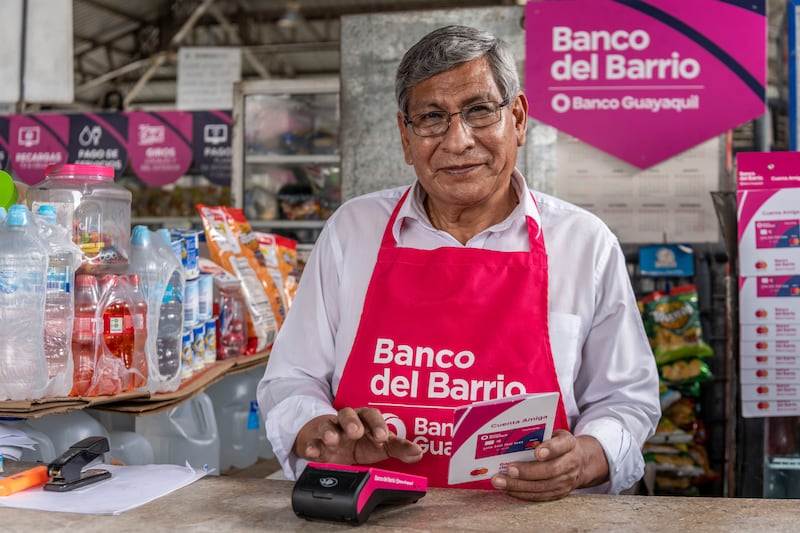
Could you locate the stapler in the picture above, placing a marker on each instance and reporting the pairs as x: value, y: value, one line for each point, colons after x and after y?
x: 66, y: 471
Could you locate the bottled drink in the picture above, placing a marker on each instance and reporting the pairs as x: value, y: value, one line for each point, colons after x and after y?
x: 139, y: 364
x: 116, y: 314
x: 59, y: 303
x: 232, y: 321
x: 84, y: 334
x: 23, y: 267
x: 169, y: 335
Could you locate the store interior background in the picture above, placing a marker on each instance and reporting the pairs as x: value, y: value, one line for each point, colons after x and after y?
x: 125, y: 58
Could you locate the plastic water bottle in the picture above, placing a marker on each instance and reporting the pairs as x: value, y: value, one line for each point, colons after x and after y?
x: 59, y: 307
x: 170, y: 320
x: 23, y: 268
x: 84, y: 334
x: 139, y: 364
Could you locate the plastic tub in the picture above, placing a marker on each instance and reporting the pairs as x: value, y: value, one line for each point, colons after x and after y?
x: 96, y: 209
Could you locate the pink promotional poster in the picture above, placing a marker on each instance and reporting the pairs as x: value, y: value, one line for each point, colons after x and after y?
x: 645, y: 81
x: 160, y: 145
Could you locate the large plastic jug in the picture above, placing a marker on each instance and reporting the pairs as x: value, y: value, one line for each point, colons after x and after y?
x: 126, y: 445
x: 237, y: 423
x: 44, y: 451
x: 264, y: 447
x: 186, y: 433
x: 130, y: 448
x: 65, y: 429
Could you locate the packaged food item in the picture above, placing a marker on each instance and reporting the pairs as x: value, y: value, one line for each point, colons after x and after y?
x: 226, y: 249
x: 250, y: 247
x: 672, y: 323
x: 280, y: 259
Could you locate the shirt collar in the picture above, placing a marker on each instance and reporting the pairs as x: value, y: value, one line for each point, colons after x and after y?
x: 414, y: 209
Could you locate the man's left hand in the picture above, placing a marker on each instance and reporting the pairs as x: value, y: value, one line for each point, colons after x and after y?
x: 563, y: 463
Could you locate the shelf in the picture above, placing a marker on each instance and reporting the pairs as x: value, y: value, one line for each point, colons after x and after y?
x: 278, y: 159
x: 136, y: 402
x: 287, y: 224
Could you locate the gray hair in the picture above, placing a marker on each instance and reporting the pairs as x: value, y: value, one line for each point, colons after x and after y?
x: 449, y: 46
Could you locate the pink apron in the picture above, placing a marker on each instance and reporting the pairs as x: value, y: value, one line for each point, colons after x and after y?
x: 447, y: 327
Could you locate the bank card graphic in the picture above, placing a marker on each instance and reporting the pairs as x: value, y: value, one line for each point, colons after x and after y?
x: 489, y: 435
x: 509, y: 441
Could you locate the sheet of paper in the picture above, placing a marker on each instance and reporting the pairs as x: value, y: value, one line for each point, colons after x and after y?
x: 127, y: 488
x: 668, y: 202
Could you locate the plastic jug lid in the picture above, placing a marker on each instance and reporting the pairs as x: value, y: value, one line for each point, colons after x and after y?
x: 8, y: 191
x: 61, y: 169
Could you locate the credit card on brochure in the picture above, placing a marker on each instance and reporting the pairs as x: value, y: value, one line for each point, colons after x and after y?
x: 489, y: 435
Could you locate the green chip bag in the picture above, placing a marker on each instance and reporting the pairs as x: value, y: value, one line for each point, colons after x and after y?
x: 672, y: 322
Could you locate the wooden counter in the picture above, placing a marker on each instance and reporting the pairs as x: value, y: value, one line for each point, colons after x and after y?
x: 217, y: 504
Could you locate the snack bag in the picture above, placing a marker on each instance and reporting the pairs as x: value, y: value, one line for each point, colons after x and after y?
x: 276, y: 252
x: 225, y: 249
x: 685, y: 372
x: 672, y: 323
x: 250, y: 248
x: 290, y: 271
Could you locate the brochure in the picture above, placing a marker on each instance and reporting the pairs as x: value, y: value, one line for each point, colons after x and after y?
x: 489, y: 435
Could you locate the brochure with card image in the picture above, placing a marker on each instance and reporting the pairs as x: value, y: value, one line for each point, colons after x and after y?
x: 489, y: 435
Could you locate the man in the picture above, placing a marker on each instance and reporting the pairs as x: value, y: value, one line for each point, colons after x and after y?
x: 466, y: 261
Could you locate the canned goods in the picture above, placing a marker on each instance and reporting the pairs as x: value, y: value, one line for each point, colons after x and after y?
x: 211, y: 340
x: 190, y: 301
x: 187, y: 354
x: 199, y: 346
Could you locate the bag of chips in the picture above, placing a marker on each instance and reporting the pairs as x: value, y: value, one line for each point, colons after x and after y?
x: 672, y: 323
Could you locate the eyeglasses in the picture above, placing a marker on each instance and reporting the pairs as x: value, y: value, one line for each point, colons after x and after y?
x: 478, y: 115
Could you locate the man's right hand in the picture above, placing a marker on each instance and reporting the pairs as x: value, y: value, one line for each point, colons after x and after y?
x: 353, y: 436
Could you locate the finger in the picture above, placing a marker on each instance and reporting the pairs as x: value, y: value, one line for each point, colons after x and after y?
x: 561, y: 443
x: 403, y: 449
x: 374, y: 424
x: 350, y: 423
x: 534, y: 490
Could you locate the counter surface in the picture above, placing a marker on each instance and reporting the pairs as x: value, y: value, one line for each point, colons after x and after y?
x: 226, y: 503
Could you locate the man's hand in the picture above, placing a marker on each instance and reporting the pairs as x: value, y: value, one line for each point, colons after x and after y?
x: 353, y: 436
x: 562, y: 464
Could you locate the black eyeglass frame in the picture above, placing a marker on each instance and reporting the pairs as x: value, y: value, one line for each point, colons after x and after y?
x: 500, y: 105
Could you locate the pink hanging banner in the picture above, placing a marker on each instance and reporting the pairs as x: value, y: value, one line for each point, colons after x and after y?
x: 37, y: 141
x: 160, y: 145
x: 645, y: 81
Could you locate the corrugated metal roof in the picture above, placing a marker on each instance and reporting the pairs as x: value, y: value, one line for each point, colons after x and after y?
x: 118, y: 43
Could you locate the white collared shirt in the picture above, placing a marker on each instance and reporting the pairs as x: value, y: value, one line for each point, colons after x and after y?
x: 605, y: 367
